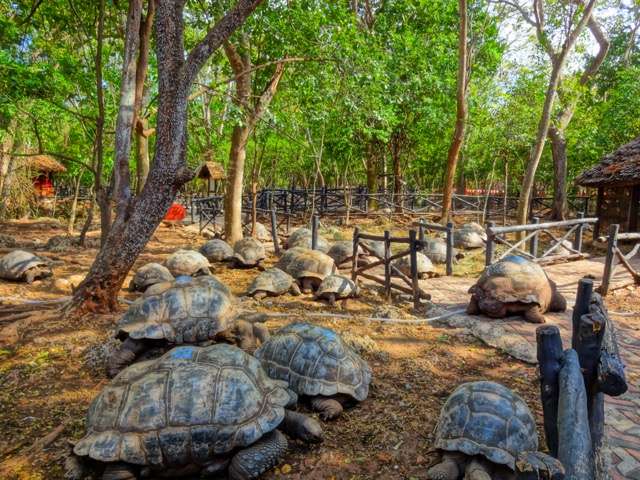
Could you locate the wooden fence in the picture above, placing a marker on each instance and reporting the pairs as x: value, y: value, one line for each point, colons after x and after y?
x: 356, y: 201
x: 527, y: 246
x: 424, y: 226
x: 573, y: 383
x: 411, y: 284
x: 615, y: 255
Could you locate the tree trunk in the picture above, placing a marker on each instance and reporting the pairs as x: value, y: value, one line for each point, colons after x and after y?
x: 558, y: 61
x: 371, y: 164
x: 135, y: 225
x: 559, y: 154
x: 461, y: 115
x: 397, y: 173
x: 241, y: 65
x: 7, y: 148
x: 102, y: 193
x: 74, y: 203
x: 233, y: 196
x: 142, y: 154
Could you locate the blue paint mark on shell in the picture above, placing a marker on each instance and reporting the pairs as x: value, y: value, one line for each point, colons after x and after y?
x: 183, y: 279
x: 182, y: 352
x: 515, y: 259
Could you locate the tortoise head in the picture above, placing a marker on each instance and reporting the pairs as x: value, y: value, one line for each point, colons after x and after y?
x: 558, y: 302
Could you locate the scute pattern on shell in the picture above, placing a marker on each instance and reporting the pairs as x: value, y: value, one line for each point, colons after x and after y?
x: 340, y: 285
x: 310, y: 263
x: 15, y: 264
x: 187, y: 262
x: 486, y: 418
x: 288, y: 256
x: 150, y: 274
x: 190, y: 310
x: 315, y: 361
x: 249, y: 251
x: 217, y: 250
x: 424, y: 265
x: 183, y: 408
x: 515, y: 279
x: 342, y: 251
x: 272, y: 280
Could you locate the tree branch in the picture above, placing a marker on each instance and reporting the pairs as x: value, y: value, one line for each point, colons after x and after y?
x: 214, y: 39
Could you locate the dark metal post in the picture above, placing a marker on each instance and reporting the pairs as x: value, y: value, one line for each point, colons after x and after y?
x: 577, y: 241
x: 533, y: 245
x: 356, y: 246
x: 549, y: 363
x: 612, y: 245
x: 449, y: 259
x: 387, y: 265
x: 314, y: 232
x: 414, y: 269
x: 274, y: 232
x: 488, y: 258
x: 421, y: 230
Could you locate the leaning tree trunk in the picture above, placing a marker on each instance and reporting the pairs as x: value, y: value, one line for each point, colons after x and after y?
x: 138, y: 218
x: 461, y: 116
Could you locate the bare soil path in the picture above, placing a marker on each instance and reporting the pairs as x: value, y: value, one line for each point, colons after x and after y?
x: 517, y: 338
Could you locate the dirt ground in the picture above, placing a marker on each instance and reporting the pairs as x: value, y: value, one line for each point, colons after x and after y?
x: 48, y: 377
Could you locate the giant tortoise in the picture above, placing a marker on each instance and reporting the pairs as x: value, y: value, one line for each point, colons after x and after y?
x: 217, y: 250
x: 148, y: 275
x: 317, y: 364
x: 248, y: 252
x: 486, y: 431
x: 515, y: 285
x: 309, y: 268
x: 272, y: 282
x: 193, y: 411
x: 425, y: 268
x: 187, y: 262
x: 189, y: 310
x: 302, y: 237
x: 22, y: 266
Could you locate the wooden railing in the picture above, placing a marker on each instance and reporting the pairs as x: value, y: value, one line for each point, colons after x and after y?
x: 614, y: 253
x: 527, y: 245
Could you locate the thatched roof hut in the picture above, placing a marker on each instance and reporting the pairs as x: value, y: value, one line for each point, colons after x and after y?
x: 617, y: 178
x: 620, y: 168
x: 44, y: 164
x: 212, y: 172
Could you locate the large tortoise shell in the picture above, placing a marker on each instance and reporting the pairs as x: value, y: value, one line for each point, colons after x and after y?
x: 183, y: 408
x: 515, y: 279
x: 150, y: 274
x: 249, y: 251
x: 272, y: 280
x: 187, y: 310
x: 16, y: 263
x: 217, y: 250
x: 187, y: 262
x: 315, y: 361
x: 310, y: 263
x: 488, y: 419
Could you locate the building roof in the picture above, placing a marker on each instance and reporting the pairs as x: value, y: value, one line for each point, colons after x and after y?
x: 619, y: 168
x: 44, y: 163
x: 210, y: 170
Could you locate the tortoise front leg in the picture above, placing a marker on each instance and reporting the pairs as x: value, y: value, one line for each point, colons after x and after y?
x: 473, y: 308
x: 450, y: 467
x: 124, y: 356
x: 331, y: 298
x: 294, y: 289
x: 74, y: 467
x: 307, y: 285
x: 301, y: 427
x: 534, y: 314
x: 261, y: 332
x: 328, y: 408
x: 260, y: 294
x: 245, y: 338
x: 478, y: 469
x: 256, y: 459
x: 119, y: 471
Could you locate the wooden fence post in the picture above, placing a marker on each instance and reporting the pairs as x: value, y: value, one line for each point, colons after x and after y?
x: 449, y: 259
x: 612, y: 244
x: 577, y: 241
x: 414, y: 268
x: 549, y: 363
x: 533, y: 245
x: 314, y: 232
x: 586, y: 340
x: 387, y: 265
x: 356, y: 246
x: 421, y: 230
x: 274, y: 232
x: 574, y: 446
x: 488, y: 258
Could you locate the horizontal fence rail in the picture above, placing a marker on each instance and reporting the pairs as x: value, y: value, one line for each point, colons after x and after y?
x: 528, y: 243
x: 359, y: 201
